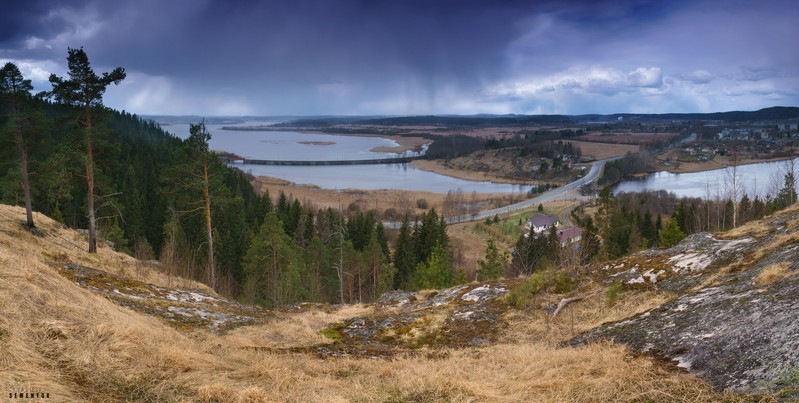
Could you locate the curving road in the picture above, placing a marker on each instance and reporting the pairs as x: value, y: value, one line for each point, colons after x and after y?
x: 548, y: 196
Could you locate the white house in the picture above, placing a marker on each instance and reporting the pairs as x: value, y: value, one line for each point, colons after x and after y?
x: 542, y: 222
x: 570, y: 235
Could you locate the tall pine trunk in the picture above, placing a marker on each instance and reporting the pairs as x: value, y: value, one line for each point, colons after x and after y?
x: 209, y: 230
x: 23, y: 154
x: 90, y: 181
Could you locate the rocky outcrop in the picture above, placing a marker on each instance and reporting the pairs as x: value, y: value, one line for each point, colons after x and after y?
x: 182, y: 308
x: 736, y: 321
x: 462, y: 316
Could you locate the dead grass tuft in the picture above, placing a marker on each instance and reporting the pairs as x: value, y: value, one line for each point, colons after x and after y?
x: 756, y: 229
x: 778, y: 242
x: 773, y: 273
x: 537, y: 326
x: 294, y: 330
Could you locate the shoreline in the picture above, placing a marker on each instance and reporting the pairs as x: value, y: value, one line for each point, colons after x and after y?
x: 712, y: 165
x: 435, y: 166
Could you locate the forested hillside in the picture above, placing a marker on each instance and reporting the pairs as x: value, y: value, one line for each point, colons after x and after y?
x: 158, y: 197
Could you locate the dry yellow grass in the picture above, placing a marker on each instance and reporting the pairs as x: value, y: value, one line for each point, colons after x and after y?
x: 439, y: 167
x: 58, y: 338
x: 294, y: 330
x: 776, y: 243
x: 756, y: 229
x: 772, y: 273
x: 577, y: 317
x: 363, y: 200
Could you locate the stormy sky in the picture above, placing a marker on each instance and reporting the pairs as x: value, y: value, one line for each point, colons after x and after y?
x: 357, y: 57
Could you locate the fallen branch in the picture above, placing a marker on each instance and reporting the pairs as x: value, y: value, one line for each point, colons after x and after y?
x: 565, y: 301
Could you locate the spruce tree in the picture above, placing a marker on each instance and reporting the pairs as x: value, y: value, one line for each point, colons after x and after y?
x: 436, y: 273
x: 671, y: 234
x: 405, y: 258
x: 271, y: 264
x: 589, y: 242
x: 787, y: 195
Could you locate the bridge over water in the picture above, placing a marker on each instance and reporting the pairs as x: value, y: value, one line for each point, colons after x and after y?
x: 398, y: 160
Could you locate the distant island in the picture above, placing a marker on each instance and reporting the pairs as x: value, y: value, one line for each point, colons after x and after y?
x: 317, y: 143
x: 254, y: 128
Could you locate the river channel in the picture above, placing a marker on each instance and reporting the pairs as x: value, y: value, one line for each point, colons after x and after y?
x: 757, y: 179
x: 299, y: 146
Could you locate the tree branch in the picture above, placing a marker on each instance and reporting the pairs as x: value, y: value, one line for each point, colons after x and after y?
x: 566, y: 301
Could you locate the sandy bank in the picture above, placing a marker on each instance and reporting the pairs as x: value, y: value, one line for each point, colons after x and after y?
x: 437, y: 166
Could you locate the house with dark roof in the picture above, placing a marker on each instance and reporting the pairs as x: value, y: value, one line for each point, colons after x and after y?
x: 542, y: 222
x: 569, y: 236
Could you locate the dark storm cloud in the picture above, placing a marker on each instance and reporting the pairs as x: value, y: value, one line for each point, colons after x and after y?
x: 351, y: 56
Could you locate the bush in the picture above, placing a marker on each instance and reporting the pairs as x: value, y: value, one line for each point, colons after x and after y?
x: 421, y: 203
x: 354, y: 207
x: 547, y: 281
x: 142, y: 250
x: 612, y: 294
x: 391, y: 213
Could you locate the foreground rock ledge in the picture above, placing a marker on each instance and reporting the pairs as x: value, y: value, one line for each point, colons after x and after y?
x: 734, y: 329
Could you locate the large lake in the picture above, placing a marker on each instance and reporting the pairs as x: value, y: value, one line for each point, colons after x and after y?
x: 288, y: 145
x: 270, y: 145
x: 758, y: 179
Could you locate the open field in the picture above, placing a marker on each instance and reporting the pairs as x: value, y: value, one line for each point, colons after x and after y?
x: 352, y: 200
x: 602, y: 151
x: 629, y: 138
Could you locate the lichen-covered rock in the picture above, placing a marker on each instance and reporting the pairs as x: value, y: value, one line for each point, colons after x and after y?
x: 679, y: 268
x: 732, y: 325
x: 397, y: 298
x: 461, y: 316
x: 180, y: 307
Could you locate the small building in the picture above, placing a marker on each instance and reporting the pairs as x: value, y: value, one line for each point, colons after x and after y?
x: 569, y: 236
x: 542, y: 222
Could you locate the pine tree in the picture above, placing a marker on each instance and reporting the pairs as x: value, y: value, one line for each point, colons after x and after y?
x: 494, y: 264
x: 85, y: 88
x: 198, y: 150
x: 16, y: 90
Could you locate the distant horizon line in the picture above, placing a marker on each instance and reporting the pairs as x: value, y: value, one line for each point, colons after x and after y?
x: 192, y: 115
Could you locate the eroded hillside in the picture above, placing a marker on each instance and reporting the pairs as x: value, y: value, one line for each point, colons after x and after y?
x: 106, y: 327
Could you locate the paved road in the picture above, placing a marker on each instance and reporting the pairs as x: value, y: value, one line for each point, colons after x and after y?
x: 548, y: 196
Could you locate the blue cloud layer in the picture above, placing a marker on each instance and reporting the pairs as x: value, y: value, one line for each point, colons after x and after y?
x: 403, y: 57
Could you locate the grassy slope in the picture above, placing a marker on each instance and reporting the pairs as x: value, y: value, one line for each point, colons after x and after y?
x: 74, y: 344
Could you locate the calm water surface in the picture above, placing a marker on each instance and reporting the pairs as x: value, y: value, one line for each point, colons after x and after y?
x: 287, y: 145
x: 382, y: 176
x: 271, y: 145
x: 758, y: 179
